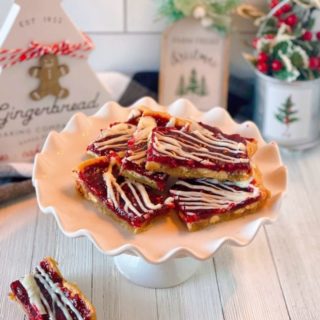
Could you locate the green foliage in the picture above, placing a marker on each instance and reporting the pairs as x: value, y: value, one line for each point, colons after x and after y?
x: 168, y: 9
x: 284, y: 42
x: 186, y: 6
x: 280, y: 47
x: 218, y: 11
x: 305, y: 45
x: 222, y: 7
x: 297, y: 60
x: 298, y: 30
x: 310, y: 24
x: 284, y: 74
x: 268, y: 26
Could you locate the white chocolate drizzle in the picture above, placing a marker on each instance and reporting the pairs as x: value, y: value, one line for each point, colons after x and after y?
x: 115, y: 137
x: 55, y: 293
x: 134, y: 114
x: 199, y: 145
x: 211, y: 194
x: 118, y: 197
x: 138, y: 153
x: 34, y: 292
x: 37, y: 298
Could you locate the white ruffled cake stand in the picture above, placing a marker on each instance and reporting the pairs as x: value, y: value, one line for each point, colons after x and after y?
x: 166, y: 254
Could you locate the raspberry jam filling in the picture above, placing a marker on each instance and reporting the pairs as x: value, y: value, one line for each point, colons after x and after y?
x: 92, y: 176
x: 75, y: 299
x: 159, y: 178
x: 53, y: 275
x: 130, y: 201
x: 208, y: 149
x: 77, y: 302
x: 22, y: 295
x: 59, y: 314
x: 161, y: 121
x: 198, y: 199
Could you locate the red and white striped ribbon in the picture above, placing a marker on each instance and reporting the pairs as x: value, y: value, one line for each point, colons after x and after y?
x: 10, y: 57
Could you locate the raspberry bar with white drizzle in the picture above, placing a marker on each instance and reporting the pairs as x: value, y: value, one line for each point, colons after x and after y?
x: 46, y: 295
x: 115, y: 137
x: 133, y: 164
x: 128, y: 202
x: 200, y: 202
x: 200, y: 152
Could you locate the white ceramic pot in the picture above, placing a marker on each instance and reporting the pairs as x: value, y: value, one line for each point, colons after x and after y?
x: 288, y: 113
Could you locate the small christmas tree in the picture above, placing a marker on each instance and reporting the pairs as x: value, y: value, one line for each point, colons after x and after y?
x: 181, y: 90
x: 193, y: 82
x: 286, y: 114
x: 203, y: 87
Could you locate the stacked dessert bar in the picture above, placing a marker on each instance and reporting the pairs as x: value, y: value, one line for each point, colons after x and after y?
x: 212, y: 177
x: 46, y: 295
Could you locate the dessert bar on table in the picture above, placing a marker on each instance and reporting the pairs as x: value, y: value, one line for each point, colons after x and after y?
x: 131, y: 203
x: 133, y: 164
x: 114, y: 138
x: 213, y: 178
x: 200, y: 202
x: 200, y: 151
x: 46, y: 295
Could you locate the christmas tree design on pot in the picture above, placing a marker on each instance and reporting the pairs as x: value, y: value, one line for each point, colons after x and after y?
x: 288, y: 113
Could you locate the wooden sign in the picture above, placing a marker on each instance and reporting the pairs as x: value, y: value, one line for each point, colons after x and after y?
x: 40, y: 92
x: 194, y: 65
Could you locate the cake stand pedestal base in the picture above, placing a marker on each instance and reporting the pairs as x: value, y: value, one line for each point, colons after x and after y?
x: 167, y: 274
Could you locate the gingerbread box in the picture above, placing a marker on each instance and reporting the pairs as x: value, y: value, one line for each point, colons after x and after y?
x: 44, y: 76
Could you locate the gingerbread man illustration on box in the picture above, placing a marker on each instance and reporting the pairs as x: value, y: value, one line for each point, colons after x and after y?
x: 48, y: 72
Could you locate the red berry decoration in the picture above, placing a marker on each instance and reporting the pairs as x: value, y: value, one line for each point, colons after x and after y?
x: 276, y: 65
x: 278, y: 13
x: 262, y: 67
x: 318, y: 35
x: 307, y: 36
x: 313, y: 63
x: 274, y: 3
x: 291, y: 20
x: 263, y: 57
x: 286, y: 7
x: 269, y: 36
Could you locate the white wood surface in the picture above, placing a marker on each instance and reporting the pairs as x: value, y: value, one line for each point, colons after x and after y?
x: 276, y: 277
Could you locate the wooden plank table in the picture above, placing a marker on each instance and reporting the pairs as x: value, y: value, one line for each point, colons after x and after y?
x: 277, y: 276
